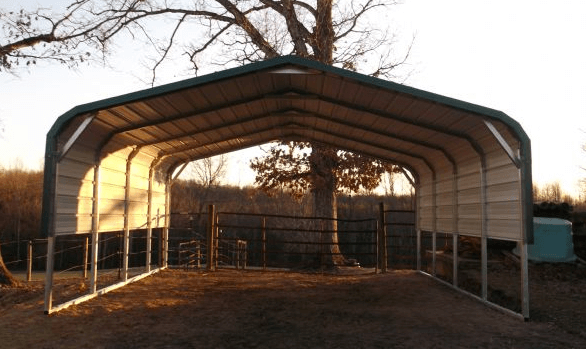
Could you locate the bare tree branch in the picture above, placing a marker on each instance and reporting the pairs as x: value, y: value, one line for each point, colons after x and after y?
x: 249, y: 28
x: 166, y: 49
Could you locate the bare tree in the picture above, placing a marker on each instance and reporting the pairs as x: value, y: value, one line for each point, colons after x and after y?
x: 204, y: 32
x: 69, y: 38
x: 223, y: 32
x: 208, y: 173
x: 20, y: 202
x: 549, y: 192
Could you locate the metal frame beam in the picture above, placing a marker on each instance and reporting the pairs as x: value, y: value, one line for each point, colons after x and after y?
x: 84, y: 124
x: 125, y: 255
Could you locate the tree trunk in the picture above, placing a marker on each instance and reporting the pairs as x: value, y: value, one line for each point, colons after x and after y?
x: 6, y: 277
x: 323, y: 161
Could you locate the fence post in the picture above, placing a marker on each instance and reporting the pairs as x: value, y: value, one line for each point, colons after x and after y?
x: 237, y: 254
x: 216, y: 240
x: 29, y: 261
x: 210, y: 252
x: 245, y: 254
x: 377, y: 247
x: 383, y: 238
x: 198, y: 254
x: 263, y: 231
x: 160, y: 247
x: 243, y: 246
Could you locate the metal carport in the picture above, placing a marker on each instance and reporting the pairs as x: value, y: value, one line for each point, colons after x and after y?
x: 109, y: 164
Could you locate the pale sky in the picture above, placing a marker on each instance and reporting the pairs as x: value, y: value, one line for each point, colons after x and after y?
x: 525, y: 58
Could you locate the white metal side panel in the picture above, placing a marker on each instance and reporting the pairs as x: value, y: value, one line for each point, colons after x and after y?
x: 139, y: 196
x: 503, y: 198
x: 158, y: 203
x: 112, y: 191
x: 425, y: 209
x: 73, y: 197
x: 445, y: 199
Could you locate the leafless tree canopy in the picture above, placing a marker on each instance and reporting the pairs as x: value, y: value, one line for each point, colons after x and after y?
x: 218, y: 32
x: 209, y: 172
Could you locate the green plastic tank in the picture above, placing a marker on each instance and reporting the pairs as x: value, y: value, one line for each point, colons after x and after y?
x: 553, y: 241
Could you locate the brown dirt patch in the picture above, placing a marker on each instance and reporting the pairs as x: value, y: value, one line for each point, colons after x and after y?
x: 236, y: 309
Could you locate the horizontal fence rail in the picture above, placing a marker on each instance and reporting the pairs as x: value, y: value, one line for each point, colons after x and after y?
x: 283, y: 241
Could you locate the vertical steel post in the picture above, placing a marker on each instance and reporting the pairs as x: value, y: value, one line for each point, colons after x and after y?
x: 211, y: 249
x: 455, y: 259
x: 85, y: 257
x: 95, y: 227
x: 167, y: 223
x: 526, y: 226
x: 49, y: 274
x: 417, y: 205
x: 524, y: 280
x: 419, y: 249
x: 126, y: 236
x: 149, y: 237
x: 51, y: 233
x: 483, y: 229
x: 455, y: 235
x: 434, y: 225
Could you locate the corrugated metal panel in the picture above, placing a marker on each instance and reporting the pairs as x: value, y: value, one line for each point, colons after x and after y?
x: 72, y: 224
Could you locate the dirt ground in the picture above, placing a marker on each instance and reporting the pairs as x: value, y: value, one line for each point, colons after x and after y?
x: 252, y: 309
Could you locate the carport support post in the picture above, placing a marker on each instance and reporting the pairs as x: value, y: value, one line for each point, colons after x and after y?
x: 524, y: 280
x: 211, y: 229
x: 455, y: 259
x: 526, y: 203
x: 127, y: 214
x: 483, y: 229
x: 49, y: 274
x: 418, y: 249
x: 167, y: 224
x: 85, y: 256
x: 95, y: 226
x: 434, y: 224
x: 149, y: 236
x: 455, y: 235
x: 51, y: 244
